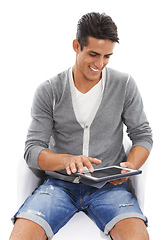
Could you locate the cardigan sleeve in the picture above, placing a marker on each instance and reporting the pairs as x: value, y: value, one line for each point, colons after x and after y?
x: 135, y: 119
x: 41, y: 126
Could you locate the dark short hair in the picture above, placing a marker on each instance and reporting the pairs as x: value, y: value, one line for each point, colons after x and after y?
x: 100, y: 26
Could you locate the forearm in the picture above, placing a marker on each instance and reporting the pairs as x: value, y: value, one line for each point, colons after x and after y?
x: 50, y: 161
x: 137, y: 156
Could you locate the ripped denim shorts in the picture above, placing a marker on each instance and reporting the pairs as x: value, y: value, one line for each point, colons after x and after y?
x: 55, y: 202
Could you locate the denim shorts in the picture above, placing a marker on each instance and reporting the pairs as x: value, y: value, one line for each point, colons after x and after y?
x: 55, y: 202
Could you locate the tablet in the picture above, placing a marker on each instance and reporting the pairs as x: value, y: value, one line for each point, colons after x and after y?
x: 108, y: 173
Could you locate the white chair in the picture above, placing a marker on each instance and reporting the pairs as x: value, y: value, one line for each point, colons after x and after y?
x: 80, y: 226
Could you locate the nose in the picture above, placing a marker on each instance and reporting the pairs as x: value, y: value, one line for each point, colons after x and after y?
x: 99, y: 63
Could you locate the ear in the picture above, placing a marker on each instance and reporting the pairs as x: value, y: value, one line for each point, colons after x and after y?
x: 76, y: 45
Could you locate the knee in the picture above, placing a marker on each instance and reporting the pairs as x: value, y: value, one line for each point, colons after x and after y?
x: 143, y: 235
x: 129, y: 229
x: 130, y: 236
x: 26, y: 229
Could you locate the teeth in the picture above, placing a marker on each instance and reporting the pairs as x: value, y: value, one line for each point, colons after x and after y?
x: 95, y: 70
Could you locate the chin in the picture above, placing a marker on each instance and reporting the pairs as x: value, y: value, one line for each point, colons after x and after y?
x: 93, y: 77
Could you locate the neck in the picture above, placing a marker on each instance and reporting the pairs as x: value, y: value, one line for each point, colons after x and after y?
x: 81, y: 82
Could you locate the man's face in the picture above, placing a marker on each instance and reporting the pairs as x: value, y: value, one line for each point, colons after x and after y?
x: 93, y: 58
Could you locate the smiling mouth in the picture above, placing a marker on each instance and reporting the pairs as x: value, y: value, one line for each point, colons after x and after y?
x: 95, y: 70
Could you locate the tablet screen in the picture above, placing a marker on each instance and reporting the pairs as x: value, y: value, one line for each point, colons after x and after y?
x: 100, y: 173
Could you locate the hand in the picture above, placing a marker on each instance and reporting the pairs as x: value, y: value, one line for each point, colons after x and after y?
x: 72, y: 162
x: 120, y: 181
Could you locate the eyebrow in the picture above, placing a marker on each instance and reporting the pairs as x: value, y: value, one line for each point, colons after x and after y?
x: 98, y: 54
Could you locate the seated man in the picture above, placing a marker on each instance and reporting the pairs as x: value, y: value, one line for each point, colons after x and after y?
x: 77, y: 122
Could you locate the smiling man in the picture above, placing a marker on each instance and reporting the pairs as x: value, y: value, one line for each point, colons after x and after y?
x: 77, y: 122
x: 91, y: 61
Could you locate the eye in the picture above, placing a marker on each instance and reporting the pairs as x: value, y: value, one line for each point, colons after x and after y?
x: 92, y: 55
x: 107, y: 56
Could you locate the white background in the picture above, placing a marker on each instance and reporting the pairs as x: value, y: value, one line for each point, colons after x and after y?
x: 36, y: 44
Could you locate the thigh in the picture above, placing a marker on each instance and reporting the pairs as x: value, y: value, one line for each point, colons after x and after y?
x: 50, y: 206
x: 112, y: 204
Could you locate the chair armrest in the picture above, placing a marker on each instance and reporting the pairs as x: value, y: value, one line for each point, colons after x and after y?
x: 28, y: 180
x: 138, y: 184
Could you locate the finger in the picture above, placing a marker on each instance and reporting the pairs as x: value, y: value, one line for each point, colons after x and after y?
x: 95, y: 161
x: 123, y: 164
x: 118, y: 181
x: 87, y: 163
x: 122, y: 180
x: 125, y: 171
x: 126, y: 165
x: 79, y: 165
x: 68, y: 170
x: 73, y: 167
x: 113, y: 182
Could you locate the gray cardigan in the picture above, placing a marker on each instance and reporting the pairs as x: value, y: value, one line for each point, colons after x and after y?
x: 55, y: 125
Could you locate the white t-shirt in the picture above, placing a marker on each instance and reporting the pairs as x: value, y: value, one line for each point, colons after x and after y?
x: 86, y: 101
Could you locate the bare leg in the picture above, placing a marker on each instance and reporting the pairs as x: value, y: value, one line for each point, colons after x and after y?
x: 25, y: 230
x: 130, y: 229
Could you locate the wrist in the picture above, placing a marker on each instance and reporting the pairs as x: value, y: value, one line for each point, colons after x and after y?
x: 50, y: 161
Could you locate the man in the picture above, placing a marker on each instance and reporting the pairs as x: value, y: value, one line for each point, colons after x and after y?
x: 77, y: 122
